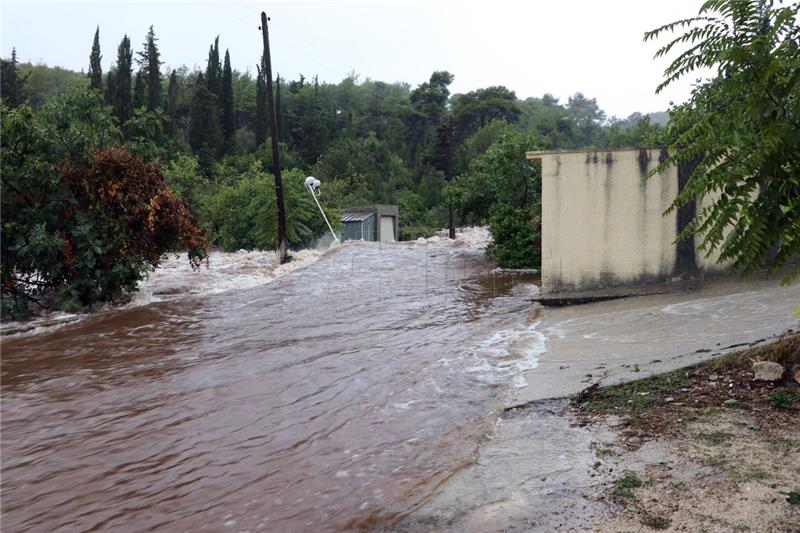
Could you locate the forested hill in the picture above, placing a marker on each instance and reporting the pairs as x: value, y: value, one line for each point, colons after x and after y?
x: 369, y: 141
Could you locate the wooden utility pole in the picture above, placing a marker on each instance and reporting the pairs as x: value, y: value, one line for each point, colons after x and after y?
x: 449, y: 175
x: 276, y: 159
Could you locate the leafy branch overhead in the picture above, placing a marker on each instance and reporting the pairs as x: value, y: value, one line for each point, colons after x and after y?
x: 741, y: 128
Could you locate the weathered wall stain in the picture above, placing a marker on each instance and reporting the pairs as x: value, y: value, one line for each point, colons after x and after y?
x: 604, y: 225
x: 685, y: 260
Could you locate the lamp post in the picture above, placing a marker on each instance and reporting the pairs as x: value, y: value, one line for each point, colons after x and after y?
x: 312, y: 186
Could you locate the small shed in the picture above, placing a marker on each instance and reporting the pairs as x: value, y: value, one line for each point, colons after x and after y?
x: 370, y: 223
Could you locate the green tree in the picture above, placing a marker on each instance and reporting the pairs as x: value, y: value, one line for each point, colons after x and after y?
x: 12, y: 86
x: 636, y: 130
x: 587, y: 117
x: 81, y: 218
x: 139, y: 91
x: 740, y: 129
x: 122, y: 104
x: 370, y: 171
x: 172, y: 97
x: 429, y: 107
x: 110, y: 93
x: 146, y: 135
x: 95, y: 69
x: 503, y: 186
x: 310, y: 130
x: 227, y: 112
x: 205, y: 135
x: 473, y: 110
x: 242, y: 215
x: 214, y: 70
x: 150, y: 66
x: 184, y: 176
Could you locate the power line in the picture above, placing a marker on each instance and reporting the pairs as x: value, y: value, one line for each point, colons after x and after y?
x: 276, y: 37
x: 307, y: 43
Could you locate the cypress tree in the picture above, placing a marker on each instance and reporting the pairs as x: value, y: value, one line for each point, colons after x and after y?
x: 213, y: 70
x: 172, y: 96
x: 110, y: 94
x: 262, y: 113
x: 139, y: 91
x: 205, y: 136
x: 172, y: 103
x: 12, y: 86
x: 95, y: 70
x: 122, y: 106
x: 226, y: 104
x: 150, y: 65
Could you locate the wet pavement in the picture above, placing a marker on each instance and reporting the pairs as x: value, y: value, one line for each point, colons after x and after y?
x: 621, y: 340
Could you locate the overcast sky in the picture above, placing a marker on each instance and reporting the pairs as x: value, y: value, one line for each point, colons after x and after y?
x: 532, y: 47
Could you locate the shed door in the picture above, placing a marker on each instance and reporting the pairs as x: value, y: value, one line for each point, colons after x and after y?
x: 387, y: 228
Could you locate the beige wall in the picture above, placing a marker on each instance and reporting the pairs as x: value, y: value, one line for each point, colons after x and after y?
x: 602, y: 225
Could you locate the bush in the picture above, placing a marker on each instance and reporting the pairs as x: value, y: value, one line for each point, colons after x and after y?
x: 81, y: 219
x: 515, y: 234
x: 244, y: 215
x: 503, y: 185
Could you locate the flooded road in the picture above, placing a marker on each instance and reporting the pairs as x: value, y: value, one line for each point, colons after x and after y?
x: 338, y: 396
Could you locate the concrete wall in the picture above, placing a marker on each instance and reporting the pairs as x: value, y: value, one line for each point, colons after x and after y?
x: 602, y: 225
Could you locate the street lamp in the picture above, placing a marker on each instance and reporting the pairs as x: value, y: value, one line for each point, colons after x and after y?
x: 312, y: 186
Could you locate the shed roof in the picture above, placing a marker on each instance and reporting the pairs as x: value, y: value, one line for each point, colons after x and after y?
x: 357, y: 217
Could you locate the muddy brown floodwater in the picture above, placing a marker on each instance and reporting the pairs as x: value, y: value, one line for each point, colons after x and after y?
x: 337, y: 397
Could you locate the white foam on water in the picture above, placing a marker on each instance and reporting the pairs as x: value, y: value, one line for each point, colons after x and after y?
x: 470, y: 236
x: 43, y: 324
x: 174, y: 277
x: 226, y: 271
x: 508, y: 354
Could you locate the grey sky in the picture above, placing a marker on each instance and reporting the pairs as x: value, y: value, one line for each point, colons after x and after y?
x: 531, y: 47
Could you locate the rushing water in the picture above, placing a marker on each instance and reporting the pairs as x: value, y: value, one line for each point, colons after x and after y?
x: 338, y: 396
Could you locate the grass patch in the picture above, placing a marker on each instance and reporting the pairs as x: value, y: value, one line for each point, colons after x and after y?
x: 636, y: 397
x: 715, y: 438
x: 624, y: 484
x: 664, y: 403
x: 792, y: 497
x: 782, y: 398
x: 750, y: 475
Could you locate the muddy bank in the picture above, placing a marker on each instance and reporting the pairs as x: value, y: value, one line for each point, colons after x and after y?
x: 706, y: 448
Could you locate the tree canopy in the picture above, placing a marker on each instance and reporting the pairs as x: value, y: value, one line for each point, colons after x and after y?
x: 741, y: 129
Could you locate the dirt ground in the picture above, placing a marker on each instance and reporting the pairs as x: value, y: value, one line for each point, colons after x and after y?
x: 701, y: 449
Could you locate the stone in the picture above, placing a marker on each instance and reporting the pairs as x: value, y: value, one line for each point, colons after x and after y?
x: 796, y: 373
x: 767, y: 371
